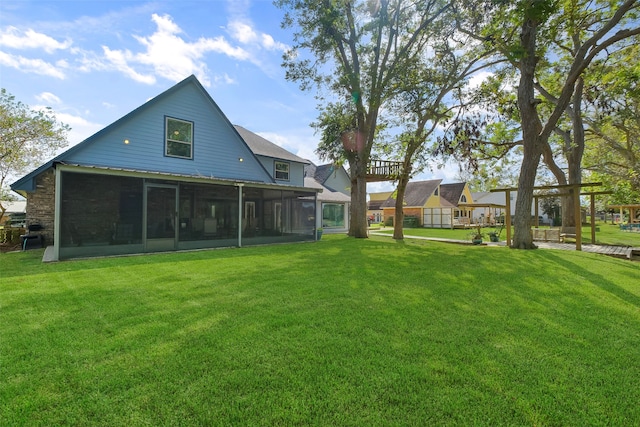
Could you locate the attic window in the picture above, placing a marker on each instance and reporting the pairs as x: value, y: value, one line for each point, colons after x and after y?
x: 435, y: 193
x: 179, y: 138
x: 463, y: 199
x: 282, y: 171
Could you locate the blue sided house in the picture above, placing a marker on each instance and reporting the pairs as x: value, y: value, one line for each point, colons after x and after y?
x: 174, y: 174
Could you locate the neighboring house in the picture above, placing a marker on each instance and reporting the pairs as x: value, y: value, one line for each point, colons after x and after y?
x: 284, y: 167
x: 331, y: 176
x: 173, y: 174
x: 434, y: 204
x: 374, y: 206
x: 494, y: 204
x: 335, y: 200
x: 15, y: 213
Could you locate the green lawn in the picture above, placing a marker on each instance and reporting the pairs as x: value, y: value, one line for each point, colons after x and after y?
x: 606, y: 234
x: 339, y: 332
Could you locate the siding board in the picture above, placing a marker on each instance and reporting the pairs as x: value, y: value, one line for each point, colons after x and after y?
x: 217, y: 147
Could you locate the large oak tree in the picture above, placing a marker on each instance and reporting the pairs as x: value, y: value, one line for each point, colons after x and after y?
x: 27, y: 137
x: 354, y: 51
x: 522, y: 31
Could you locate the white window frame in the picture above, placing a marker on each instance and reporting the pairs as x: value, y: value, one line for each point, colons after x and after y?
x: 168, y: 140
x: 276, y: 171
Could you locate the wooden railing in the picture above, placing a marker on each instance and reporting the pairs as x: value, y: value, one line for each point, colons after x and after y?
x: 383, y: 170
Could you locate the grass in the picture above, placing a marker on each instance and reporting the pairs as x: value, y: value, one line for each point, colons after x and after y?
x: 339, y: 332
x: 607, y: 234
x: 445, y: 233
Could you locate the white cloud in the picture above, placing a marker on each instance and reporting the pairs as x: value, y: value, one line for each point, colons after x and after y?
x: 12, y: 37
x: 241, y: 31
x: 448, y: 172
x: 301, y: 142
x: 379, y: 187
x: 81, y: 128
x: 226, y: 79
x: 27, y: 65
x: 220, y: 45
x: 478, y: 78
x: 166, y: 53
x: 120, y: 61
x: 169, y: 55
x: 48, y: 98
x: 88, y: 61
x: 270, y: 44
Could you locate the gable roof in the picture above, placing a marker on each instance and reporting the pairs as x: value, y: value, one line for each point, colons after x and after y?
x: 27, y: 183
x: 17, y: 206
x: 266, y: 148
x: 416, y: 194
x: 382, y: 196
x: 450, y: 194
x: 327, y: 195
x: 377, y: 199
x: 322, y: 173
x: 374, y: 205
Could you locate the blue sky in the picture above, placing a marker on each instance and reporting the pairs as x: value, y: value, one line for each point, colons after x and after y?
x: 94, y: 61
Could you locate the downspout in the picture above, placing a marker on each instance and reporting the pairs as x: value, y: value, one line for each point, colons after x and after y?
x: 240, y: 187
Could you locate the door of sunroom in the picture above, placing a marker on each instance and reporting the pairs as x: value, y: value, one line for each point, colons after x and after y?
x: 161, y: 213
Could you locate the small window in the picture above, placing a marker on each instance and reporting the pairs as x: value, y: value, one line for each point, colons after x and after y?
x: 435, y: 193
x: 463, y: 199
x: 282, y: 171
x: 179, y: 138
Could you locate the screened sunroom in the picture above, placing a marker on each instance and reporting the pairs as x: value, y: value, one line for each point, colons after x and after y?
x: 106, y: 212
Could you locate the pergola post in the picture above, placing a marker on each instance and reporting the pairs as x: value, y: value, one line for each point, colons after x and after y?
x: 578, y: 216
x: 593, y: 219
x: 507, y: 202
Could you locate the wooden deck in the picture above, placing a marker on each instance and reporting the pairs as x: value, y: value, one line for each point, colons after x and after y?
x: 624, y: 252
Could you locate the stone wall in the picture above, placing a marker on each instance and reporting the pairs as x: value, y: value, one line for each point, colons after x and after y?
x: 41, y: 205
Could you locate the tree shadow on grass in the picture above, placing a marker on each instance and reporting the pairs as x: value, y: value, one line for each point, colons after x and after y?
x: 30, y: 263
x: 599, y: 263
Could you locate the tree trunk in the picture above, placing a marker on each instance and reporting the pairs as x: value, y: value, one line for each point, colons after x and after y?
x: 573, y: 154
x: 398, y: 220
x: 522, y: 238
x: 566, y: 203
x: 358, y: 226
x: 531, y: 129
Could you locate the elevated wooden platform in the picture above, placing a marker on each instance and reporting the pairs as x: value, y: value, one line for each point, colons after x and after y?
x: 383, y: 170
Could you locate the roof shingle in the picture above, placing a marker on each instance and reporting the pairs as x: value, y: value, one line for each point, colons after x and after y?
x: 416, y: 194
x: 263, y: 147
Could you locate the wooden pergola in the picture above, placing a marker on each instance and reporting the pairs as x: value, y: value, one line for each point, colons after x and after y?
x: 474, y: 206
x: 632, y: 208
x: 573, y: 190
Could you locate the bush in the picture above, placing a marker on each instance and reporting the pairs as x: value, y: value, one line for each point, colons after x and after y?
x: 410, y: 222
x: 11, y: 235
